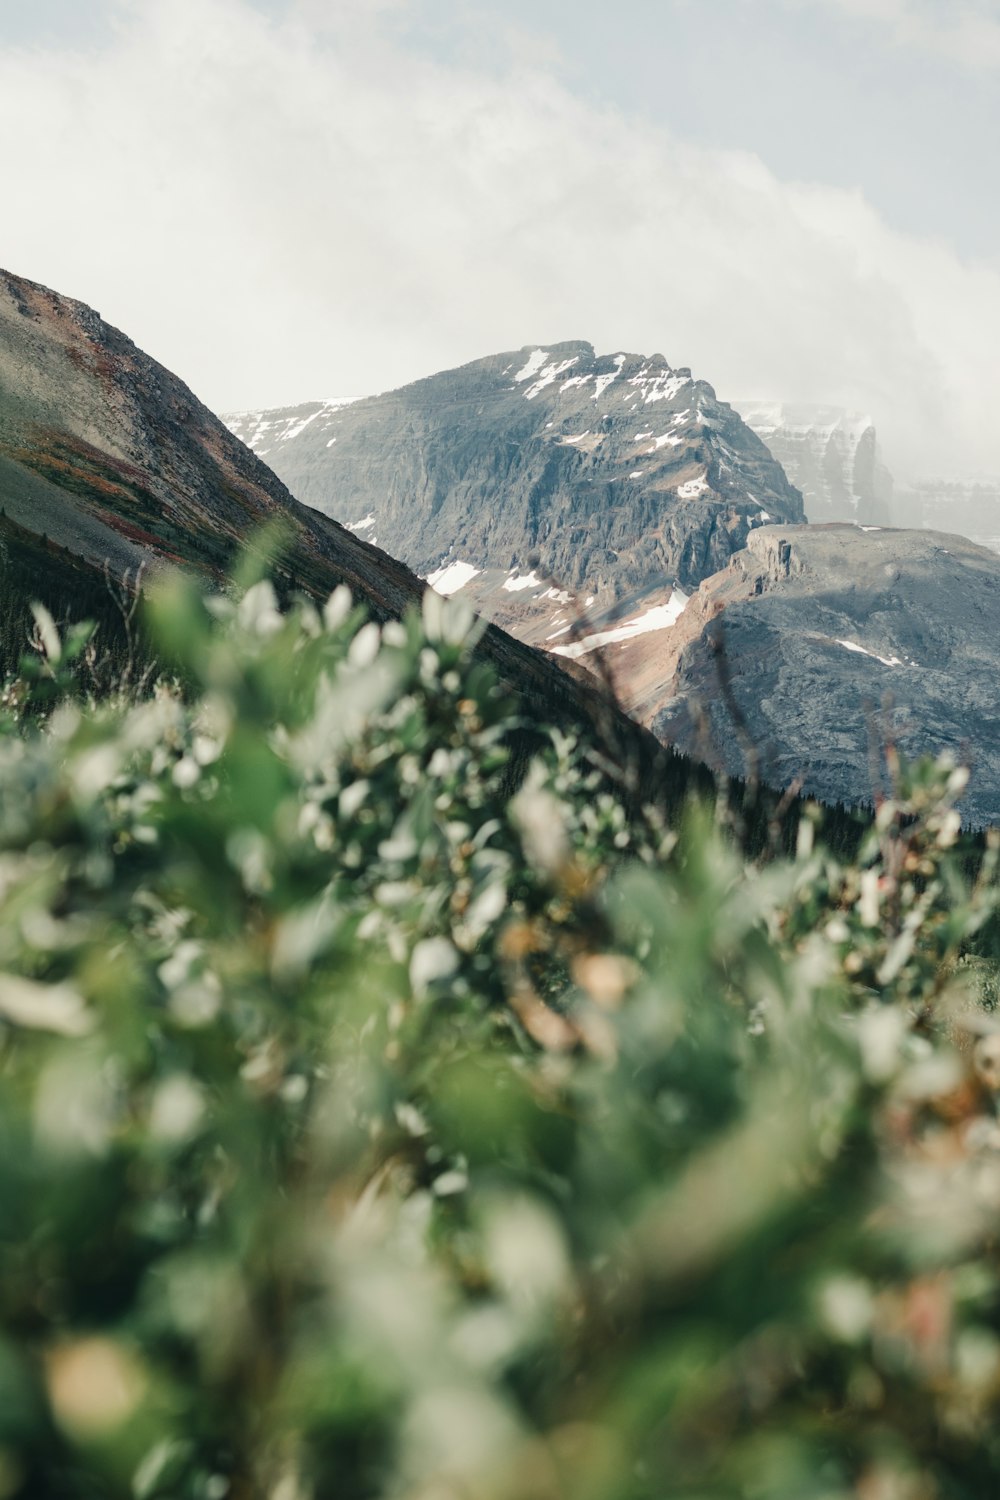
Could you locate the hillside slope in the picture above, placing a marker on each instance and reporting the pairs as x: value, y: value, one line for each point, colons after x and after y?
x: 109, y: 464
x: 109, y: 455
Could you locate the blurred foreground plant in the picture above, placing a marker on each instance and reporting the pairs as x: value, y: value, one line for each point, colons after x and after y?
x: 369, y: 1132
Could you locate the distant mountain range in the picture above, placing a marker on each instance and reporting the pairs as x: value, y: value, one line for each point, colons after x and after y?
x: 970, y: 506
x: 833, y: 456
x: 613, y: 510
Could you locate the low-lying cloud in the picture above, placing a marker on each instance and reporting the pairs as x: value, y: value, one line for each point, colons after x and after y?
x: 281, y: 210
x: 964, y: 31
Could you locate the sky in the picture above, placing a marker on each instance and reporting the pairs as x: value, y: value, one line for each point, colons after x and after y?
x: 293, y: 199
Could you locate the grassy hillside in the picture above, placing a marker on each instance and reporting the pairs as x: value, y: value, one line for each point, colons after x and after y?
x: 370, y: 1131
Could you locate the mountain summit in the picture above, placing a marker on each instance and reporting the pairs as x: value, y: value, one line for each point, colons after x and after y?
x: 530, y: 477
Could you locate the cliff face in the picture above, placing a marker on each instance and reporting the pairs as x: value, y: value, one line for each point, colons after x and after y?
x: 817, y: 646
x: 831, y: 455
x: 537, y: 478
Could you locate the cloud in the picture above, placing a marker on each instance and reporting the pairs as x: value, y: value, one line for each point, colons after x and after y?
x: 277, y: 210
x: 962, y: 32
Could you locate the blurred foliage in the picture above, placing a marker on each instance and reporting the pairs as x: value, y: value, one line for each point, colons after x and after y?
x: 368, y: 1132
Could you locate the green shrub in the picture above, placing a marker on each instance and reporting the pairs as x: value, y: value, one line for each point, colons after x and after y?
x: 368, y: 1132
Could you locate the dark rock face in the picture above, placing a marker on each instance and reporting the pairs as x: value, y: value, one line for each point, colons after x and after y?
x: 601, y: 476
x: 818, y: 646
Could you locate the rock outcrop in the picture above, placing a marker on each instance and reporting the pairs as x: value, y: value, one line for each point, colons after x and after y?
x: 819, y: 646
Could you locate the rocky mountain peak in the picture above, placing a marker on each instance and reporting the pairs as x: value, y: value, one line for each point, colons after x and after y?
x: 540, y: 482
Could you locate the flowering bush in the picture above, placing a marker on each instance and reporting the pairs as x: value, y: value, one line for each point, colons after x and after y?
x: 369, y: 1131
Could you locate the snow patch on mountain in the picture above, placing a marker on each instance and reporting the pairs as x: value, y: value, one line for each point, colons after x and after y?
x: 263, y: 431
x: 451, y: 577
x: 532, y: 365
x: 662, y: 386
x: 601, y: 382
x: 887, y: 661
x: 524, y: 581
x: 660, y: 617
x: 548, y: 375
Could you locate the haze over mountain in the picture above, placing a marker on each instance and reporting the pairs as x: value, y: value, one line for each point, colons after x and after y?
x: 969, y: 505
x: 832, y: 456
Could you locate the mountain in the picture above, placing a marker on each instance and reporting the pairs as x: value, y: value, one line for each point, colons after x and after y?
x: 831, y: 455
x: 541, y: 482
x: 109, y: 464
x: 818, y: 647
x: 613, y: 510
x: 971, y: 506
